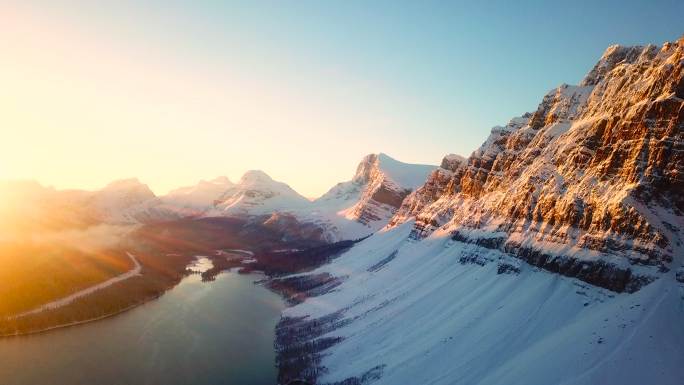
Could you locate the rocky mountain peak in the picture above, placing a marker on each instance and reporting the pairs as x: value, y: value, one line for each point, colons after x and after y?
x: 365, y: 168
x: 405, y: 175
x: 611, y: 58
x: 386, y: 182
x: 452, y: 162
x: 588, y: 185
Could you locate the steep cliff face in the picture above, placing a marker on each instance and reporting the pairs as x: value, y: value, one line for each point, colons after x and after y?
x: 589, y: 185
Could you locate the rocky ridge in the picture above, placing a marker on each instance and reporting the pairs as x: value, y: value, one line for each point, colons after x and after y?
x: 588, y: 185
x: 465, y: 283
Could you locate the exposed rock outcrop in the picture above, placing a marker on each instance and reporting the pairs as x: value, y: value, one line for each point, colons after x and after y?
x: 592, y: 180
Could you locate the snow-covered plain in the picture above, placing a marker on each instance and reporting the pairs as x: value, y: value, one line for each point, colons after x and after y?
x: 426, y: 317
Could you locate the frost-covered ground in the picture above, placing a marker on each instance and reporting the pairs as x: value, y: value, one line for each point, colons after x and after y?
x: 426, y: 316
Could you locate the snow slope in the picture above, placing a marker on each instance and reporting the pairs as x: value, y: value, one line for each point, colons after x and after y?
x: 445, y: 312
x: 404, y: 175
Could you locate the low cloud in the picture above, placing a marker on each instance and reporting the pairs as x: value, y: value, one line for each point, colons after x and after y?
x: 87, y: 239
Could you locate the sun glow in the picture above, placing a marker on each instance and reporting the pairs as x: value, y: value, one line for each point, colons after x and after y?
x: 82, y: 106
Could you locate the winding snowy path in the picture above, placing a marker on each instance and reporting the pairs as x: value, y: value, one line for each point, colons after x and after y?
x: 87, y: 291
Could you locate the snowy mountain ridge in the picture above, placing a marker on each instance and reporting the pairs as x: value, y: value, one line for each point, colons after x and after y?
x: 370, y: 198
x: 350, y: 210
x: 257, y: 194
x: 587, y: 182
x: 552, y: 255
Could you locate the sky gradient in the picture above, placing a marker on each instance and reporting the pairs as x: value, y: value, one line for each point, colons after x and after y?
x: 176, y: 91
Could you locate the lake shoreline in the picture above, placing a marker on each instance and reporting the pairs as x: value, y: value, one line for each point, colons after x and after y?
x: 231, y: 264
x: 86, y: 321
x: 180, y: 338
x: 274, y: 267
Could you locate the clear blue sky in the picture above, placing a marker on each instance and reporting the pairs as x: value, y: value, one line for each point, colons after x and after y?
x: 301, y: 89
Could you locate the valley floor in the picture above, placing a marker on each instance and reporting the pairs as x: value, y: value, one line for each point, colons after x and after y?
x: 87, y: 291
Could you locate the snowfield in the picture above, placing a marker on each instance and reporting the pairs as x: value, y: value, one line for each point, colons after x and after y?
x: 445, y: 312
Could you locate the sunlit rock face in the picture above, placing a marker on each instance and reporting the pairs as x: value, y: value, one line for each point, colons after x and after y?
x: 590, y: 185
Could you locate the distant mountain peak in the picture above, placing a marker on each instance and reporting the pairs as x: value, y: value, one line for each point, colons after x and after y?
x: 376, y: 190
x: 223, y: 180
x: 254, y: 176
x: 406, y: 175
x: 124, y: 184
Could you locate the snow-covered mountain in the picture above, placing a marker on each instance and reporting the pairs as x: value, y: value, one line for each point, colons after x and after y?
x: 257, y: 194
x: 199, y: 196
x: 552, y: 255
x: 364, y: 204
x: 376, y: 191
x: 33, y: 214
x: 350, y: 210
x: 117, y: 202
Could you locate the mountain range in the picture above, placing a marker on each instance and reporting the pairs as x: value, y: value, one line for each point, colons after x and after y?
x: 350, y: 210
x: 551, y: 255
